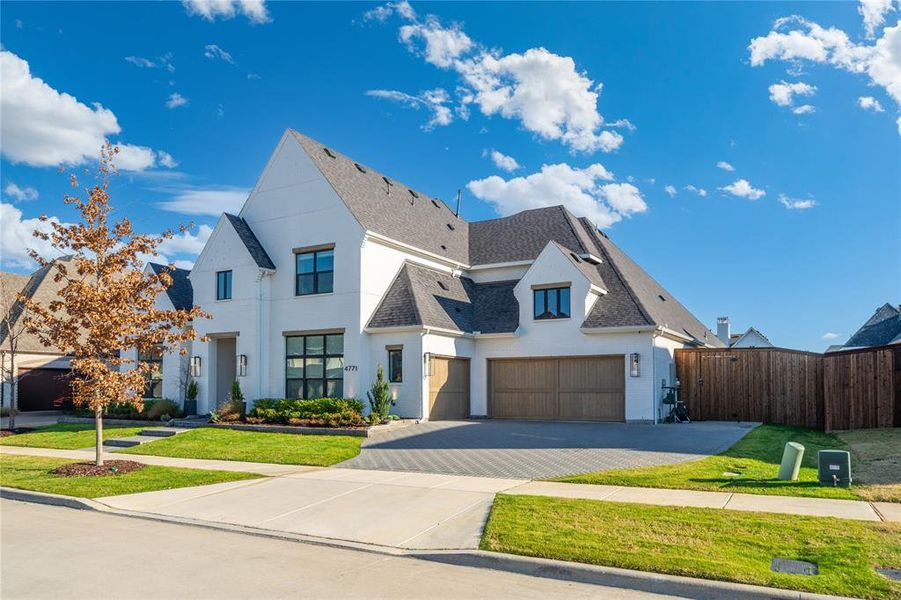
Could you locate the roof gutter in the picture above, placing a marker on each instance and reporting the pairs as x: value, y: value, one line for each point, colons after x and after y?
x: 501, y: 265
x: 621, y: 329
x: 424, y: 329
x: 392, y: 243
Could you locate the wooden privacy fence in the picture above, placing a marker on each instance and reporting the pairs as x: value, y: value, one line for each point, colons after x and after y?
x: 843, y: 390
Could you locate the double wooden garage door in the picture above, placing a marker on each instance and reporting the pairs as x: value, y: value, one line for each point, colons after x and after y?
x: 585, y: 388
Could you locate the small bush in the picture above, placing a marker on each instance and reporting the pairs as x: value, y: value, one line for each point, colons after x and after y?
x: 228, y: 412
x: 380, y: 401
x: 320, y: 412
x: 155, y: 409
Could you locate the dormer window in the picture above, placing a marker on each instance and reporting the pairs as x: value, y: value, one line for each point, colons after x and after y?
x: 551, y: 303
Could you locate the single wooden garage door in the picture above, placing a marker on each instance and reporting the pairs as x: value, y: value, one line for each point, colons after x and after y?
x: 585, y: 388
x: 44, y: 389
x: 448, y: 388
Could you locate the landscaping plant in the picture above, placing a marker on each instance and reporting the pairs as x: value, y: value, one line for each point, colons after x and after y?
x: 380, y: 401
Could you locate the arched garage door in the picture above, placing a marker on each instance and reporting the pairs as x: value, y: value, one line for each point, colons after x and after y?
x: 584, y: 388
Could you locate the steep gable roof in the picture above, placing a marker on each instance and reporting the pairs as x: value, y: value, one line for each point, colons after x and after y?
x: 521, y: 236
x: 883, y: 328
x: 181, y: 292
x: 253, y: 245
x: 43, y: 289
x: 735, y: 339
x: 589, y: 270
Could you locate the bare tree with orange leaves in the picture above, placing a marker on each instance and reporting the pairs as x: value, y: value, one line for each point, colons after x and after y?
x: 106, y: 302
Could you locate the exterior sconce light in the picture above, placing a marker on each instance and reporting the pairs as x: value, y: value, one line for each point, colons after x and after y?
x: 635, y: 364
x: 242, y: 365
x: 195, y: 366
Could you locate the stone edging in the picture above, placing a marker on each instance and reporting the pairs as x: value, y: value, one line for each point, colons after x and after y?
x: 351, y: 431
x: 127, y: 422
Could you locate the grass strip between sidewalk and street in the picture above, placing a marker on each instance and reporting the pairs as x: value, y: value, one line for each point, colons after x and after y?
x: 34, y: 473
x: 750, y: 467
x: 254, y: 446
x: 70, y: 436
x: 696, y: 542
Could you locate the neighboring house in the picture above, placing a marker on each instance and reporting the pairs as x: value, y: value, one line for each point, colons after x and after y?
x: 882, y: 329
x: 752, y: 338
x: 332, y: 269
x: 42, y: 372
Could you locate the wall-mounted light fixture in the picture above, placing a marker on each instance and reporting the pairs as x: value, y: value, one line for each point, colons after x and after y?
x: 242, y: 365
x: 427, y: 363
x: 195, y: 366
x: 635, y: 364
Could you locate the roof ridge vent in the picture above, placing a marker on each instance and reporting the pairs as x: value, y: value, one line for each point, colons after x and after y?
x: 329, y: 152
x: 359, y: 167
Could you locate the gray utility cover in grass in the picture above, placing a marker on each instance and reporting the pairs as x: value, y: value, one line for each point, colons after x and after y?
x: 893, y: 574
x: 794, y: 567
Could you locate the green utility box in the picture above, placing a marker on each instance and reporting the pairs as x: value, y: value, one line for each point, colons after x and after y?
x: 834, y: 468
x: 791, y: 461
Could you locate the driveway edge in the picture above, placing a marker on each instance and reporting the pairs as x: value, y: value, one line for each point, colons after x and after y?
x: 536, y: 567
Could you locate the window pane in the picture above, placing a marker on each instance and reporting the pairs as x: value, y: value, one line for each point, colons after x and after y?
x: 305, y: 263
x: 334, y: 344
x: 564, y: 302
x: 294, y: 388
x: 314, y: 367
x: 539, y: 303
x: 334, y: 368
x: 335, y: 389
x: 395, y: 366
x: 326, y: 283
x: 314, y: 389
x: 305, y: 284
x: 294, y: 368
x: 295, y: 346
x: 552, y: 303
x: 315, y: 345
x: 325, y: 260
x: 228, y: 284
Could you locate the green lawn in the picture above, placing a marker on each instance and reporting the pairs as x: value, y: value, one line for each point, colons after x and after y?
x: 696, y: 542
x: 753, y: 463
x: 254, y: 446
x: 33, y: 473
x: 68, y: 436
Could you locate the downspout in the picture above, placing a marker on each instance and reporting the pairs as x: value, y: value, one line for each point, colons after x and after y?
x: 425, y: 372
x: 262, y: 362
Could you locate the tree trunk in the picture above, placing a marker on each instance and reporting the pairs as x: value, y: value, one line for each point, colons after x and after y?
x: 13, y: 388
x: 98, y: 424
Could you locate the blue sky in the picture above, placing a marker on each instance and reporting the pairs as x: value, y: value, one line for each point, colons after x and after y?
x: 622, y: 111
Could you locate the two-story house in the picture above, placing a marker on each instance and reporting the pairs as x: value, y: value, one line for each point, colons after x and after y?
x: 332, y: 269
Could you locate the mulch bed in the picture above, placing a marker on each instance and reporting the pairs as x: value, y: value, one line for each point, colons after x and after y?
x: 89, y: 469
x: 6, y: 433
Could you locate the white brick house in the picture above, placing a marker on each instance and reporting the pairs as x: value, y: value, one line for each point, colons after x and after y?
x: 331, y: 269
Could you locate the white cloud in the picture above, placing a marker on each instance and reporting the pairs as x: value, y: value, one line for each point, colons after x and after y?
x: 795, y: 203
x: 383, y: 12
x: 829, y: 336
x: 166, y: 160
x: 504, y: 162
x: 724, y: 166
x: 16, y: 238
x: 42, y: 127
x: 21, y: 194
x: 873, y: 13
x: 743, y: 189
x: 581, y: 190
x: 210, y: 10
x: 163, y: 62
x: 186, y: 242
x: 175, y: 100
x: 145, y: 63
x: 212, y: 51
x: 134, y: 158
x: 435, y: 101
x: 696, y: 190
x: 804, y: 109
x: 670, y: 190
x: 212, y: 201
x: 543, y: 91
x: 783, y: 94
x: 870, y: 103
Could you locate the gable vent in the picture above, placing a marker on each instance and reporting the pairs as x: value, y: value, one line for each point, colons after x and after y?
x: 443, y: 286
x: 329, y: 152
x: 359, y: 167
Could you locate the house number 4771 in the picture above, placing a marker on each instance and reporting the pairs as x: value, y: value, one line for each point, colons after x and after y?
x: 350, y: 367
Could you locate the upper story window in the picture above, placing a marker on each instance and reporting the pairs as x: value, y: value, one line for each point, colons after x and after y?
x: 223, y: 285
x: 395, y: 364
x: 551, y: 303
x: 315, y: 272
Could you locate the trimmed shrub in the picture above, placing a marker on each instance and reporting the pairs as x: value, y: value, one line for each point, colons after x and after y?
x: 155, y: 409
x: 319, y: 412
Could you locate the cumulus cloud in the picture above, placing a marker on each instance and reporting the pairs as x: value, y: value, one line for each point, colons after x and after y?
x: 42, y: 127
x: 696, y: 190
x: 829, y: 336
x: 16, y: 238
x: 586, y: 192
x: 435, y: 101
x: 210, y: 10
x: 502, y: 161
x: 873, y: 13
x: 724, y: 166
x: 804, y: 109
x: 795, y: 203
x: 210, y: 201
x: 20, y: 194
x: 175, y: 100
x: 543, y: 91
x: 870, y: 103
x: 743, y: 189
x: 670, y: 190
x: 186, y: 242
x: 166, y: 160
x: 783, y: 94
x: 214, y: 52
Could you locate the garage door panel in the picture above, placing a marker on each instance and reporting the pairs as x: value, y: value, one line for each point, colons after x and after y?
x: 586, y: 406
x: 448, y: 389
x: 524, y: 405
x: 527, y: 375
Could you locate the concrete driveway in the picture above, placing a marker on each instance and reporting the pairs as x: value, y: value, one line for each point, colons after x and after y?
x: 539, y: 450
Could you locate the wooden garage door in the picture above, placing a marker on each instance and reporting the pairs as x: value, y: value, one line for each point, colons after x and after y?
x: 44, y: 389
x: 448, y: 388
x: 586, y: 388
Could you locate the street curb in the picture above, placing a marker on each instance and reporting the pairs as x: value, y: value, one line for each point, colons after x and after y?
x: 659, y: 583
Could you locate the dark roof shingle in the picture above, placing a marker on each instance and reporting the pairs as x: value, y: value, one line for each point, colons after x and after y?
x: 253, y: 245
x: 180, y: 293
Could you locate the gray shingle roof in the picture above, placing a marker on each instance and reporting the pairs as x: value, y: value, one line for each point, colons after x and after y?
x: 390, y: 209
x: 251, y: 242
x: 180, y: 293
x: 589, y: 270
x: 521, y: 236
x: 41, y: 288
x: 883, y: 328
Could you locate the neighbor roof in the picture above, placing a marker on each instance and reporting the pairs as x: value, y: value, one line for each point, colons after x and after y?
x: 883, y: 328
x: 251, y: 242
x: 41, y: 288
x: 180, y: 293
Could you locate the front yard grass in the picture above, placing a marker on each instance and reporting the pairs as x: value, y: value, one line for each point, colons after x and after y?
x: 33, y: 473
x: 751, y: 466
x: 876, y: 460
x: 697, y: 542
x: 255, y: 446
x: 68, y: 436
